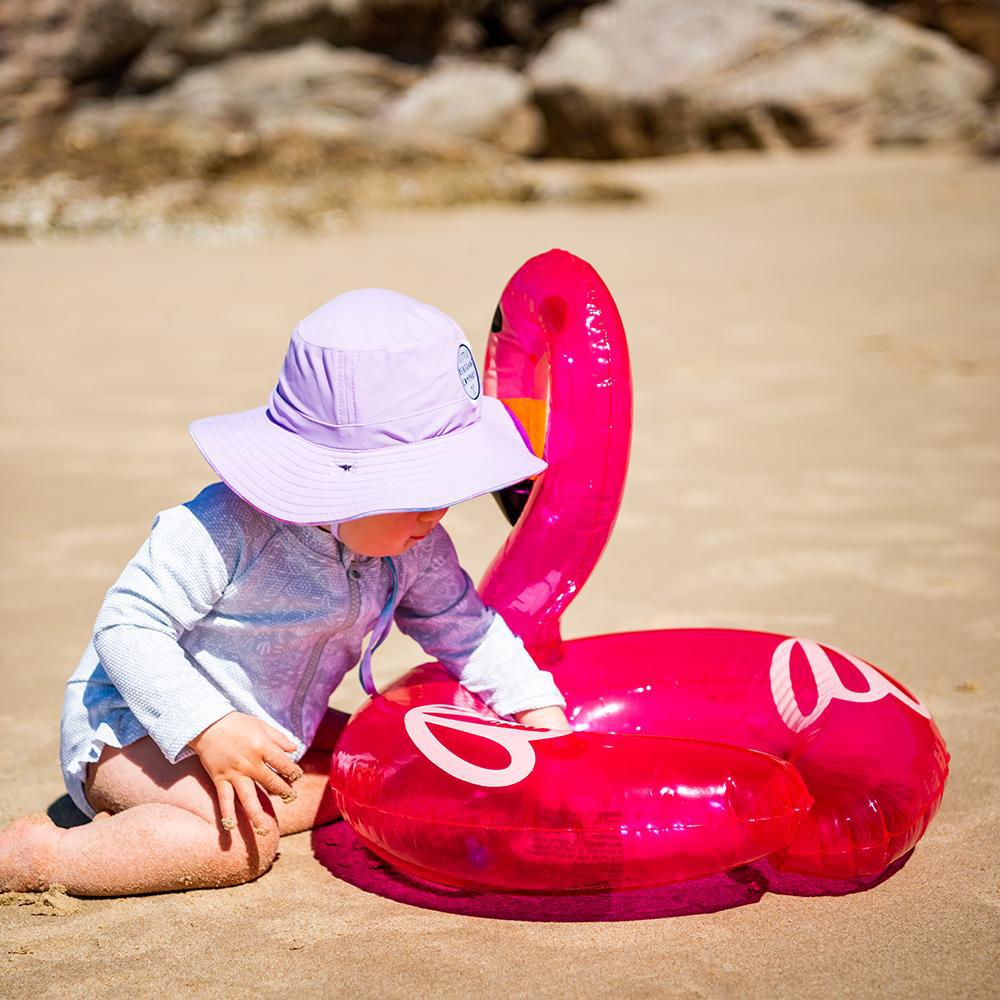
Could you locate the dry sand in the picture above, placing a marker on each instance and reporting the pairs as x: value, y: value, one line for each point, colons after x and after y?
x: 817, y: 374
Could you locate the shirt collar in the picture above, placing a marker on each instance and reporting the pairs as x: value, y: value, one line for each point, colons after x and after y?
x: 325, y: 544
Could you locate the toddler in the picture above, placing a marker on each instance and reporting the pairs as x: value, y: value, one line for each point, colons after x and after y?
x: 195, y: 730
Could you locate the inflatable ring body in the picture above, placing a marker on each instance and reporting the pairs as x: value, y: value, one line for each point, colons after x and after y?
x: 693, y: 751
x: 871, y: 758
x: 471, y: 801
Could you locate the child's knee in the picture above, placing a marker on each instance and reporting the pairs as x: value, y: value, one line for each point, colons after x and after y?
x: 246, y: 854
x: 183, y: 850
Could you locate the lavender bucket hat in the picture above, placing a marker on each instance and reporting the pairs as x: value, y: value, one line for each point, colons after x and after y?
x: 379, y: 407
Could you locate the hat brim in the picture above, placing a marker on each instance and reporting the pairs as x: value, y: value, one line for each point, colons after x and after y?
x: 292, y: 479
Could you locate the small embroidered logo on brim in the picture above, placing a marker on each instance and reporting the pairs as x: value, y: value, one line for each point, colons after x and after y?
x: 468, y: 372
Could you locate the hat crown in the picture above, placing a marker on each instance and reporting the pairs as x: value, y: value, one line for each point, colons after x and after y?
x: 374, y: 368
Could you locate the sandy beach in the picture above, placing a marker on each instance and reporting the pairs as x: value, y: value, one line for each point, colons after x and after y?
x: 816, y: 361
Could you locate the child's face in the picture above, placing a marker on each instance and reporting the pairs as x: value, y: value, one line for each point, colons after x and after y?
x: 388, y: 534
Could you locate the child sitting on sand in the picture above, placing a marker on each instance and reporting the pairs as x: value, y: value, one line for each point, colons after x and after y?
x: 195, y: 728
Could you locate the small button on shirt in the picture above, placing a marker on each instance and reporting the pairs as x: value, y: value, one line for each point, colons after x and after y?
x: 224, y: 608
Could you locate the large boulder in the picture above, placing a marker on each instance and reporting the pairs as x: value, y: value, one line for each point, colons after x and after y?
x: 644, y: 77
x: 491, y: 103
x: 407, y: 30
x: 312, y: 77
x: 52, y: 51
x: 974, y: 24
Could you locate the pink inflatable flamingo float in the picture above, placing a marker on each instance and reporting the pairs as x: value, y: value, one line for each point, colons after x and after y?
x: 694, y: 751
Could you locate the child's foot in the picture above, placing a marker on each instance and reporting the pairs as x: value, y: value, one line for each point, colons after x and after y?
x: 26, y: 849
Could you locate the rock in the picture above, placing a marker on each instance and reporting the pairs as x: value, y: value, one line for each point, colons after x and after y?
x: 134, y: 168
x: 104, y: 47
x: 104, y: 36
x: 313, y: 77
x: 73, y: 47
x: 474, y: 101
x: 989, y: 144
x: 641, y: 77
x: 973, y: 24
x: 522, y: 27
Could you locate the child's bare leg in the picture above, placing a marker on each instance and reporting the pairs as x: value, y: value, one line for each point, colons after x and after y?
x: 164, y: 833
x: 313, y: 805
x: 159, y: 827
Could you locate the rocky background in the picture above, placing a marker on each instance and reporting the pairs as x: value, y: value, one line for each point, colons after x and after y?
x: 155, y: 116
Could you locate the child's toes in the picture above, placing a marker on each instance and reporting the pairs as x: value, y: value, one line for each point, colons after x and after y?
x: 26, y: 849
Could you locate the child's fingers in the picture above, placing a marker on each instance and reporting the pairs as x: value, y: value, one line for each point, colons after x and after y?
x: 274, y: 784
x: 227, y: 804
x: 280, y: 763
x: 282, y: 740
x: 249, y: 799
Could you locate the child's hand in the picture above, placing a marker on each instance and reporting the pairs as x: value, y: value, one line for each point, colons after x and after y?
x: 552, y: 717
x: 240, y: 752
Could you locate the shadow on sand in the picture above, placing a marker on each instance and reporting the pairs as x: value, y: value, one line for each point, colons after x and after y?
x: 64, y: 813
x: 337, y: 849
x: 341, y: 853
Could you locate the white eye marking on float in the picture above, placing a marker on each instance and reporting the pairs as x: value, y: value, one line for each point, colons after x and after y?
x: 828, y: 684
x: 515, y: 740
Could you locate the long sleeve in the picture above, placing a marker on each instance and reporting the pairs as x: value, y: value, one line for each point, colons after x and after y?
x: 171, y: 583
x: 442, y: 611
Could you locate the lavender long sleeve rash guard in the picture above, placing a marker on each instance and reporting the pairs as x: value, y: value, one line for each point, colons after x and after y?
x: 224, y: 608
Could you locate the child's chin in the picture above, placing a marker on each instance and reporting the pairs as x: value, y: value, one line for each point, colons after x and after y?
x: 397, y: 550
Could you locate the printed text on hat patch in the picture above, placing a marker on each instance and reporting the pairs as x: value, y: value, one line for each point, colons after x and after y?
x: 468, y: 372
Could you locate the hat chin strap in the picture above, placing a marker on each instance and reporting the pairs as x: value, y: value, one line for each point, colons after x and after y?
x: 380, y: 631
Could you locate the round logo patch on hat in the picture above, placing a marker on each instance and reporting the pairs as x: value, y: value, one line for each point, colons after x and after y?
x: 468, y: 372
